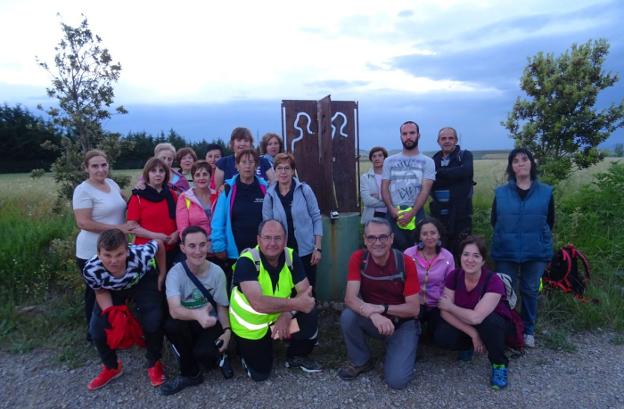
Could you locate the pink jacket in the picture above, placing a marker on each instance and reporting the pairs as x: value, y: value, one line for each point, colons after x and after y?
x: 189, y: 212
x: 432, y: 274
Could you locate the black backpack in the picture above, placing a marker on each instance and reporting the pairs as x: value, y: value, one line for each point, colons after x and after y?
x: 563, y: 271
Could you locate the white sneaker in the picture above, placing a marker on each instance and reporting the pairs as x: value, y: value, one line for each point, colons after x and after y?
x: 529, y: 341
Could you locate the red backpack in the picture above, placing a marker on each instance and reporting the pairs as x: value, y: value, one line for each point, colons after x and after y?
x: 563, y: 271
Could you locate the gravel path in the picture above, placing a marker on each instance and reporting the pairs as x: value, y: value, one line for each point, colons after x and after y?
x: 592, y: 377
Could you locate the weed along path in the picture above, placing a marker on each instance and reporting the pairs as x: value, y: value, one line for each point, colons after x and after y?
x: 590, y: 377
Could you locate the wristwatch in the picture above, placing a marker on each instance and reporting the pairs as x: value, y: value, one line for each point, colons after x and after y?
x: 318, y: 249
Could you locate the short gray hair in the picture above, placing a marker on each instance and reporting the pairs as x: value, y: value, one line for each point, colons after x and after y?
x: 378, y: 220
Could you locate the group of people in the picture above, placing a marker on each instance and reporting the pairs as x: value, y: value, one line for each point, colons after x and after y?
x: 225, y: 253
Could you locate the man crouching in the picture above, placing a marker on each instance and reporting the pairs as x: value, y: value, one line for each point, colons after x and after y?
x: 381, y: 301
x: 119, y: 272
x: 263, y: 308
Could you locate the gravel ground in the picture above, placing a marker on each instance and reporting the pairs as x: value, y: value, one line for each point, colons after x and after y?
x: 592, y: 377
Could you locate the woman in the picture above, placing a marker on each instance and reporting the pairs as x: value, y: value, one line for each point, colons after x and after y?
x: 241, y: 140
x: 214, y: 152
x: 433, y: 264
x: 152, y: 211
x: 523, y: 217
x: 293, y: 203
x: 98, y: 206
x: 370, y: 186
x: 194, y: 206
x: 186, y: 157
x: 270, y: 145
x: 166, y: 152
x: 238, y: 211
x: 474, y: 311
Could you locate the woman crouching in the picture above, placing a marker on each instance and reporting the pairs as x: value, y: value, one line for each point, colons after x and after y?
x: 474, y: 311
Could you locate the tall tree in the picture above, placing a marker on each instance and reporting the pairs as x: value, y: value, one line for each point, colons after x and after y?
x: 559, y: 121
x: 83, y: 75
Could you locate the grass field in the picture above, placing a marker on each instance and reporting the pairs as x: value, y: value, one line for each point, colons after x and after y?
x: 40, y: 289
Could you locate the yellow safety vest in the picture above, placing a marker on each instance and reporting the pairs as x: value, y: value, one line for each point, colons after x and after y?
x: 245, y: 321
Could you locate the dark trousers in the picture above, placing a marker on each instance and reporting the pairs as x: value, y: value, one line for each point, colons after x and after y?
x: 258, y: 353
x: 492, y: 332
x: 429, y: 318
x: 404, y: 238
x: 89, y: 294
x: 148, y: 310
x: 310, y: 270
x: 196, y: 345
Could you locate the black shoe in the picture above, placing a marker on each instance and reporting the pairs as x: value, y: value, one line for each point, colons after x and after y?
x: 180, y: 382
x: 226, y: 366
x: 304, y: 363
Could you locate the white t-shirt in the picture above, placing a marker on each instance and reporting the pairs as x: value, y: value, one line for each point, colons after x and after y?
x: 406, y: 174
x: 108, y: 208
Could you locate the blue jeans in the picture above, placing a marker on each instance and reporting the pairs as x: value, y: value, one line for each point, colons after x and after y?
x: 400, y: 346
x: 525, y: 276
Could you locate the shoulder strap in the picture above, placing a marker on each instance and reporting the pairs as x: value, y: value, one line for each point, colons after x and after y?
x: 364, y: 261
x: 200, y: 286
x: 399, y: 263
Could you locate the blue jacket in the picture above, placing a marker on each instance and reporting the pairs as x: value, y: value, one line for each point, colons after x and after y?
x: 521, y: 232
x: 305, y: 213
x: 222, y: 236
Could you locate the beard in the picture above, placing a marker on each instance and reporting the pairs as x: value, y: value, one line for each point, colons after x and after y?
x: 409, y: 145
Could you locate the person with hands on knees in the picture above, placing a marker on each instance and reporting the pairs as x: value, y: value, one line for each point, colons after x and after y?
x: 117, y: 273
x: 475, y: 312
x: 199, y: 326
x: 152, y: 210
x: 264, y: 307
x: 381, y: 301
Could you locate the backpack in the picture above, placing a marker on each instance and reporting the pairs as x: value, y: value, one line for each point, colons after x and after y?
x: 398, y: 262
x: 510, y: 294
x: 563, y: 271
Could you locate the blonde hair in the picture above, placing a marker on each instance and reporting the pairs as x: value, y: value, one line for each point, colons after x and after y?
x: 164, y: 146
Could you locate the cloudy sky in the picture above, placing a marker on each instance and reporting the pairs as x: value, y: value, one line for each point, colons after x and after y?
x: 203, y: 68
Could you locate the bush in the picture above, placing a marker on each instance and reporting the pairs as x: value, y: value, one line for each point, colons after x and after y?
x: 37, y: 173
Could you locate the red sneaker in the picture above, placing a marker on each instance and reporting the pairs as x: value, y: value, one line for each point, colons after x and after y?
x: 156, y: 374
x: 105, y: 376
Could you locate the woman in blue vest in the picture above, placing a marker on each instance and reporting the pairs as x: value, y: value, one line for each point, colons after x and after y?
x: 523, y: 216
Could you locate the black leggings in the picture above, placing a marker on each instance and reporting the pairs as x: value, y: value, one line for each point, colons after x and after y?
x: 89, y: 294
x: 194, y: 344
x: 492, y: 332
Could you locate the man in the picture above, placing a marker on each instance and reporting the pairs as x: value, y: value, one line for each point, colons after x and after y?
x: 241, y: 140
x: 118, y: 272
x: 199, y: 326
x: 452, y: 190
x: 406, y: 181
x: 381, y: 301
x: 262, y: 306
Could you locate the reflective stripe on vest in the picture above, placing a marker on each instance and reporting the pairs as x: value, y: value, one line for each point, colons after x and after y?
x: 245, y: 321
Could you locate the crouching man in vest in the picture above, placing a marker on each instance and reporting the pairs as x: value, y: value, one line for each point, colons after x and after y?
x: 119, y: 272
x: 263, y: 308
x: 381, y: 301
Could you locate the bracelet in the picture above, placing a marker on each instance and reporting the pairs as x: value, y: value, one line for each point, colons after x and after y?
x: 385, y: 311
x: 227, y: 328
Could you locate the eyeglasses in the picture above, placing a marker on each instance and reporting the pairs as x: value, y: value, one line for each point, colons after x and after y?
x: 276, y: 239
x: 383, y: 238
x: 283, y: 169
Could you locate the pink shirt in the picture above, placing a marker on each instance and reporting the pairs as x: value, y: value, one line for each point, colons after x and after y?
x: 189, y: 212
x: 432, y: 273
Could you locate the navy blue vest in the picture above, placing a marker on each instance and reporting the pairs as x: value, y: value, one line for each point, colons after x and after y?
x: 522, y: 233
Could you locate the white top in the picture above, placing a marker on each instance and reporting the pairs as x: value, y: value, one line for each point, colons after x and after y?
x: 108, y: 208
x: 406, y: 175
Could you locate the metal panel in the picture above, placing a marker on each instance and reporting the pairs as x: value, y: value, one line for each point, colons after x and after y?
x: 344, y: 159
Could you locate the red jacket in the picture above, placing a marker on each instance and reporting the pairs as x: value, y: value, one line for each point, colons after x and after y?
x: 125, y: 331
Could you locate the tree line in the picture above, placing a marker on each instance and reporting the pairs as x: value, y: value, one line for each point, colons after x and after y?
x: 28, y: 142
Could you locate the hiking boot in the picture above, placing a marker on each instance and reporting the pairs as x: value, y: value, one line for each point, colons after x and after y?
x: 226, y: 366
x: 499, y: 377
x: 304, y: 363
x: 105, y: 376
x: 350, y: 371
x: 156, y: 374
x: 465, y: 356
x: 180, y: 382
x: 529, y: 341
